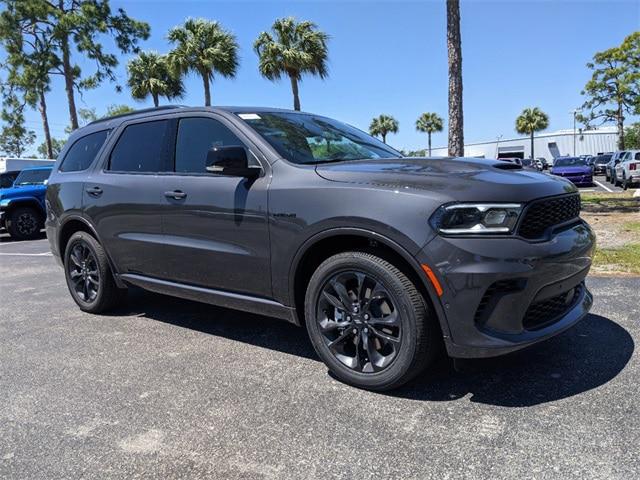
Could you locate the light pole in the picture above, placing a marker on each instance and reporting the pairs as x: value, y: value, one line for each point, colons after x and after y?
x: 574, y: 112
x: 498, y: 143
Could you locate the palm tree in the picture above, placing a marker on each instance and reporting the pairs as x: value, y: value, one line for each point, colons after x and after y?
x: 206, y: 48
x: 292, y: 49
x: 429, y: 123
x: 149, y: 74
x: 531, y: 120
x: 383, y: 125
x: 454, y: 49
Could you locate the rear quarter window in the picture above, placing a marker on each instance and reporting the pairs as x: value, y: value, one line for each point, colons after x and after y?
x: 83, y: 152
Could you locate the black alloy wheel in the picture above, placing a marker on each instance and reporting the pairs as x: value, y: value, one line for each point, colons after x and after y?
x: 359, y: 321
x: 368, y: 322
x: 84, y: 272
x: 89, y: 275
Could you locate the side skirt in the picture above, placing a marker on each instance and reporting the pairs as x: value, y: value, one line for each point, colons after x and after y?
x: 235, y: 301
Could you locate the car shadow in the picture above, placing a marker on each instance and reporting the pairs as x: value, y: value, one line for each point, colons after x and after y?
x: 588, y: 355
x: 5, y: 238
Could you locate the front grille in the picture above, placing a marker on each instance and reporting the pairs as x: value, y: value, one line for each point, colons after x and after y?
x: 546, y: 213
x: 541, y: 314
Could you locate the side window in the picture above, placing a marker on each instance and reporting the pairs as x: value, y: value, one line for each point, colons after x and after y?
x: 196, y: 136
x: 141, y: 148
x: 83, y: 152
x: 638, y: 156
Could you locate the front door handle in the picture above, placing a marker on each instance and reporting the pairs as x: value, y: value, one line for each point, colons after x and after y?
x: 175, y: 194
x: 94, y: 191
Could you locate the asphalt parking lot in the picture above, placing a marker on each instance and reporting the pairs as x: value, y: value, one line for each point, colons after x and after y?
x: 166, y: 388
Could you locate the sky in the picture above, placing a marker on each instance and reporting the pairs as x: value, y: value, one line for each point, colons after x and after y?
x: 391, y: 57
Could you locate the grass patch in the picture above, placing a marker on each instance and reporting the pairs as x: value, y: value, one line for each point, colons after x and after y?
x: 632, y: 227
x: 623, y: 259
x: 609, y: 202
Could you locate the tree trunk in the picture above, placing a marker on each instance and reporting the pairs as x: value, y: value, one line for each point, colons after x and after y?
x: 384, y: 137
x: 531, y: 144
x: 294, y: 88
x: 429, y: 135
x: 207, y: 91
x: 454, y: 48
x: 68, y: 83
x: 620, y: 127
x: 156, y: 100
x: 45, y: 124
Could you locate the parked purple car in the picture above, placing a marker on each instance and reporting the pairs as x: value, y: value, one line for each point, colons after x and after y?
x: 574, y: 169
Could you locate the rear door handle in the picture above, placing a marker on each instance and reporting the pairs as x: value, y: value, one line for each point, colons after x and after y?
x: 175, y: 194
x: 94, y: 191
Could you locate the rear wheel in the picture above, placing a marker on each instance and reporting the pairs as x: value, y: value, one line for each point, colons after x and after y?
x: 89, y: 275
x: 625, y: 182
x: 24, y: 223
x: 368, y: 322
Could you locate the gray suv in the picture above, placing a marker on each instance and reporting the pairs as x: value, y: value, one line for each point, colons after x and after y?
x: 383, y: 258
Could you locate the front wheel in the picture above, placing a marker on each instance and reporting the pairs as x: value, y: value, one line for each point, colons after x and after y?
x: 24, y: 223
x: 368, y: 322
x: 89, y: 276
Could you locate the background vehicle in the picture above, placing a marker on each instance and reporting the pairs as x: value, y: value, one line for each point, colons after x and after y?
x: 7, y: 178
x: 627, y: 172
x: 610, y: 170
x: 22, y: 207
x: 13, y: 163
x: 302, y: 217
x: 600, y: 164
x: 574, y: 169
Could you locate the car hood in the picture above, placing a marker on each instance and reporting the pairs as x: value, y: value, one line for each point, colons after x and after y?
x: 459, y: 179
x: 12, y: 192
x: 570, y: 170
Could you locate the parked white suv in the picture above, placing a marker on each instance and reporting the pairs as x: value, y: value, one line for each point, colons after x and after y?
x: 627, y: 172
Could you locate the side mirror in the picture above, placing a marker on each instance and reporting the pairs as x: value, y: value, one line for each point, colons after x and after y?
x: 230, y: 161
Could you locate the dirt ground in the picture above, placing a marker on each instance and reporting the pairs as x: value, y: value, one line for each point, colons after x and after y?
x: 614, y: 229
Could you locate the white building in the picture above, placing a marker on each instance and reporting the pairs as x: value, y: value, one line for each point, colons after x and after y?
x: 548, y: 145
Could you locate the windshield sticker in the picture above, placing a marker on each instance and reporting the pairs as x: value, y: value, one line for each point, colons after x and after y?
x: 249, y: 116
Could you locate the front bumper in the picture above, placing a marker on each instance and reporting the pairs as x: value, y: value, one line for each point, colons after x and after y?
x: 579, y: 179
x: 504, y: 294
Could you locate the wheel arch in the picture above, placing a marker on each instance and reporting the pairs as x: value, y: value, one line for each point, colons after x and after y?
x: 330, y: 242
x: 74, y: 224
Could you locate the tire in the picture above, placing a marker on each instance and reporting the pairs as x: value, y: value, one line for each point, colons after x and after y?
x: 93, y: 292
x: 414, y: 329
x: 625, y: 182
x: 24, y: 223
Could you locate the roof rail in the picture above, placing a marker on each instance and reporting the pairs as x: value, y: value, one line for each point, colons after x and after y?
x: 136, y: 112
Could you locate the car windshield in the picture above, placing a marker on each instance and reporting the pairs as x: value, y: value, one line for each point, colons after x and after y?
x: 603, y: 159
x: 308, y: 139
x: 569, y: 162
x: 32, y: 177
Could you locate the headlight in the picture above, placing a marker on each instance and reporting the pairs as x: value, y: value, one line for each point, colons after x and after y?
x: 476, y: 218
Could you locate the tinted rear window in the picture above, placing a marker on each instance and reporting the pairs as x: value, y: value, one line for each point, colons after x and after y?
x: 83, y: 152
x: 141, y: 148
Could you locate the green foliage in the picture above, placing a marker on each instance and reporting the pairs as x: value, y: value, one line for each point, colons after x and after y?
x: 56, y: 147
x: 203, y: 47
x: 14, y: 136
x: 117, y: 110
x: 149, y: 74
x: 429, y: 123
x: 632, y: 136
x: 382, y: 126
x: 531, y: 120
x: 41, y: 36
x: 614, y: 88
x: 292, y: 48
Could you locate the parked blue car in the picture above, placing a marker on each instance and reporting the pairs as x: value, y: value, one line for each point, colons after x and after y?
x: 574, y: 169
x: 22, y: 208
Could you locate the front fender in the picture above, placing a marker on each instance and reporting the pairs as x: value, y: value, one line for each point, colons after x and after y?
x: 7, y: 203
